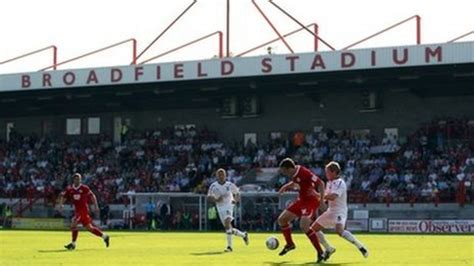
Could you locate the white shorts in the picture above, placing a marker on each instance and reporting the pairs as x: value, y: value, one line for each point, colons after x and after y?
x: 329, y: 219
x: 226, y: 212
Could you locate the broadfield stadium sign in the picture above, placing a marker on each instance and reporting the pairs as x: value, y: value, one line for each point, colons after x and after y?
x: 391, y: 57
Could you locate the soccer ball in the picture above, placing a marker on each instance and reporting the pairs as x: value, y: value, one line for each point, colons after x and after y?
x: 272, y: 243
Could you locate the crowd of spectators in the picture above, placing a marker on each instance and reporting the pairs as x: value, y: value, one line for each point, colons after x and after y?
x: 161, y: 160
x: 435, y: 161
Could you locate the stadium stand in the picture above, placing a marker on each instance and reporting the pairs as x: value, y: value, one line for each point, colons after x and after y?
x: 433, y: 164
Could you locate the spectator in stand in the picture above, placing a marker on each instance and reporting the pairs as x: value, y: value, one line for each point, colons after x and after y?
x: 7, y: 216
x: 104, y: 213
x: 150, y: 208
x: 165, y: 215
x: 212, y: 218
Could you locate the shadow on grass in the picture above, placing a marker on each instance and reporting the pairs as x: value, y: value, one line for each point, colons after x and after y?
x: 342, y: 263
x: 288, y: 263
x: 208, y: 253
x: 272, y: 263
x: 62, y: 250
x: 125, y: 235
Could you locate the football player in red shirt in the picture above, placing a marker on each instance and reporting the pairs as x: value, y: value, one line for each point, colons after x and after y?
x: 80, y: 195
x: 304, y: 207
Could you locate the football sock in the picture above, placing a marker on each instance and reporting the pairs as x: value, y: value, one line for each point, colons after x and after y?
x: 351, y: 238
x: 75, y: 232
x: 323, y: 241
x: 286, y: 230
x: 237, y: 232
x: 314, y: 240
x: 229, y: 237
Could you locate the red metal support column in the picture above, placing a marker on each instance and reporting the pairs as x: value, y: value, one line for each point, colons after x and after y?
x: 418, y: 29
x: 227, y: 30
x: 55, y: 57
x: 272, y: 26
x: 316, y: 33
x: 221, y: 46
x: 166, y: 29
x: 134, y: 52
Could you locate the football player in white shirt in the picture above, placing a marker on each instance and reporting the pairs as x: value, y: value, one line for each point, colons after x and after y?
x: 336, y: 214
x: 225, y: 194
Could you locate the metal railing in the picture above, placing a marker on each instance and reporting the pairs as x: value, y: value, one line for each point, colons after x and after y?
x: 220, y: 51
x: 53, y: 47
x: 418, y: 31
x: 134, y: 53
x: 461, y: 36
x: 165, y: 30
x: 315, y: 34
x: 272, y: 26
x: 284, y: 35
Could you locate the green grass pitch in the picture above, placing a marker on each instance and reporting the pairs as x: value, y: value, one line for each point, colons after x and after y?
x: 138, y: 248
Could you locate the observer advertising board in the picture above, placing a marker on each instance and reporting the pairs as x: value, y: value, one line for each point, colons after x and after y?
x: 38, y: 223
x: 431, y: 226
x: 358, y: 225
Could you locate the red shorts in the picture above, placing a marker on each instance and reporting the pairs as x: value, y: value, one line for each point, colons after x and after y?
x: 305, y: 208
x: 82, y: 218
